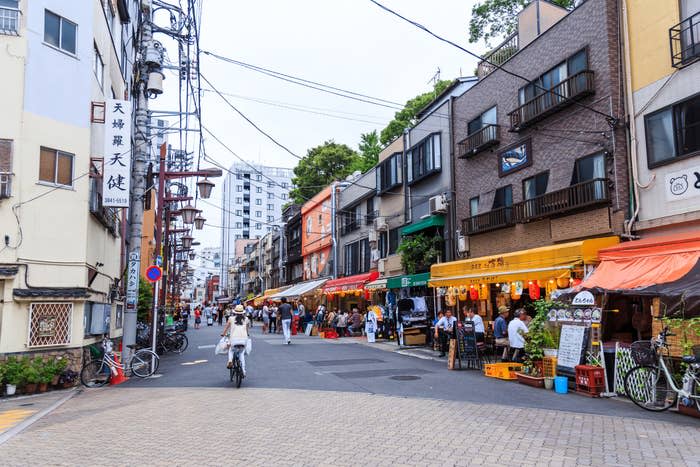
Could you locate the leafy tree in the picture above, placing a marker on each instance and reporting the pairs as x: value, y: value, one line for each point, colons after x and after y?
x: 419, y: 251
x: 322, y: 165
x: 145, y: 303
x: 406, y: 117
x: 498, y: 18
x: 369, y: 151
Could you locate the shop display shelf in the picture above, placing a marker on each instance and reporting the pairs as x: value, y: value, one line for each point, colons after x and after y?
x: 534, y: 381
x: 505, y: 371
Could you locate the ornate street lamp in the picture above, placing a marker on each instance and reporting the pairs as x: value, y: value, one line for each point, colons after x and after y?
x: 188, y: 213
x: 187, y: 241
x: 205, y: 186
x: 192, y: 255
x: 199, y: 221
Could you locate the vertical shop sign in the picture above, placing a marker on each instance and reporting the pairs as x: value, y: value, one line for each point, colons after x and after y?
x: 116, y: 180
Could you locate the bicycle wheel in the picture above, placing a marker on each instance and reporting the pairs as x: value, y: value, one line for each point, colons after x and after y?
x: 649, y: 388
x: 95, y: 374
x: 181, y: 343
x: 144, y: 363
x: 238, y: 371
x: 232, y: 373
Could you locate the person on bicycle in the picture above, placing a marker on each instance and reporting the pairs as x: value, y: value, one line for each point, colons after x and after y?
x: 238, y: 337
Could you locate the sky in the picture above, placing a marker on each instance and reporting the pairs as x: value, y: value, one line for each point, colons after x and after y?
x: 350, y: 44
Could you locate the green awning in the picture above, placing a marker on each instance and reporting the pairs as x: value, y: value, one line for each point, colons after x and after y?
x: 412, y: 280
x: 432, y: 221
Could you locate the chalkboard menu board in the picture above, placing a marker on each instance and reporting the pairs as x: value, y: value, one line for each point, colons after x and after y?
x: 572, y: 347
x: 466, y: 341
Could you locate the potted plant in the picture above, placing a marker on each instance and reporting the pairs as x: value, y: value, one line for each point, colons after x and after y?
x: 31, y: 375
x: 534, y: 346
x: 57, y: 367
x: 47, y: 370
x: 67, y: 378
x: 551, y: 340
x: 14, y: 375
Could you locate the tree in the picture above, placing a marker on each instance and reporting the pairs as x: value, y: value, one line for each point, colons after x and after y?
x: 145, y: 303
x: 406, y: 117
x: 322, y: 165
x: 498, y: 18
x: 369, y: 151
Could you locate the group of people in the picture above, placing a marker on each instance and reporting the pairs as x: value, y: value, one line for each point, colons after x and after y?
x: 507, y: 335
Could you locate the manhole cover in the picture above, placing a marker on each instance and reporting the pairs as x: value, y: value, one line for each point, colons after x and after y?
x: 404, y: 378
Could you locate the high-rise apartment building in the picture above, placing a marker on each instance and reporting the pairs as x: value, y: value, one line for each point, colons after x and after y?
x: 253, y: 196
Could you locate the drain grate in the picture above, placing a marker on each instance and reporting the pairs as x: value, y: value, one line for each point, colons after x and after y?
x: 404, y: 377
x: 347, y: 361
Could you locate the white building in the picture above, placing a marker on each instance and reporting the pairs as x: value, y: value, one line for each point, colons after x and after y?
x: 252, y: 204
x: 60, y: 256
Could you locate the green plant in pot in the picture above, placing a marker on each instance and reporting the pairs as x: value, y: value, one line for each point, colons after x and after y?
x: 14, y: 374
x: 47, y: 370
x: 57, y: 366
x: 32, y: 374
x: 537, y: 338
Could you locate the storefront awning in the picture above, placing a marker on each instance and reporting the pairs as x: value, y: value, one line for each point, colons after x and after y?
x: 300, y: 289
x: 344, y: 284
x: 667, y: 267
x: 542, y: 263
x: 411, y: 280
x: 432, y: 221
x: 379, y: 284
x: 259, y: 300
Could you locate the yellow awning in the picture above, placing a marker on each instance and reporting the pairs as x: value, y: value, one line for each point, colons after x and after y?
x: 268, y: 293
x: 548, y: 262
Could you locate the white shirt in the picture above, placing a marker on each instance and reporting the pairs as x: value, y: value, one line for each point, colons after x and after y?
x: 478, y: 323
x: 446, y: 323
x: 515, y: 339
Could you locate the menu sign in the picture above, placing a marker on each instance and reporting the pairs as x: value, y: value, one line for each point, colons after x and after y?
x: 572, y: 346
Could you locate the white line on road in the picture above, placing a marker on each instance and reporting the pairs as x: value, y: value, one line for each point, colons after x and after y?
x: 206, y: 346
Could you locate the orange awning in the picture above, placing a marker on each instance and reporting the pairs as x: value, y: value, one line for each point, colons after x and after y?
x: 647, y: 262
x: 343, y: 284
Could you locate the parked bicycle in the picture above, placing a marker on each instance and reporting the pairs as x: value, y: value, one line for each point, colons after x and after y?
x: 174, y: 341
x: 651, y: 385
x: 236, y: 370
x: 98, y: 372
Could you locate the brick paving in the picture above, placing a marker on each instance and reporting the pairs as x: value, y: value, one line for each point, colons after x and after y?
x: 255, y: 426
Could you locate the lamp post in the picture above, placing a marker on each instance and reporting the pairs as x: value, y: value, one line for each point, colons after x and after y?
x: 199, y: 221
x: 205, y: 186
x: 188, y: 213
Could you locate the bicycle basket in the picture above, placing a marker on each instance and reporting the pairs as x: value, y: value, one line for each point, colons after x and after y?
x: 643, y: 353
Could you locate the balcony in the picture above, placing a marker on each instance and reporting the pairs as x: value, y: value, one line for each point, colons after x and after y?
x: 369, y: 218
x: 563, y: 94
x: 685, y: 41
x: 9, y: 21
x: 479, y: 140
x: 492, y: 220
x: 572, y: 198
x: 498, y: 56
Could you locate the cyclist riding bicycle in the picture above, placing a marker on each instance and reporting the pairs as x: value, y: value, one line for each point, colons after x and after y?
x: 238, y: 336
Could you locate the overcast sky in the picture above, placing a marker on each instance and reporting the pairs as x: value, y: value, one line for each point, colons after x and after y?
x: 350, y: 44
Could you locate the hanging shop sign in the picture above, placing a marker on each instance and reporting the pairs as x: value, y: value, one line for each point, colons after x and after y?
x: 116, y: 176
x: 584, y: 298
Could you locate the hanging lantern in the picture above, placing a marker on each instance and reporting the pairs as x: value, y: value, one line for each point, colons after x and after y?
x: 342, y: 294
x: 534, y: 290
x: 551, y: 287
x: 473, y: 293
x: 563, y: 282
x: 357, y: 293
x: 188, y: 213
x: 463, y: 293
x: 192, y: 255
x: 484, y: 292
x: 205, y: 186
x: 450, y: 300
x: 199, y: 222
x: 368, y: 294
x: 187, y: 241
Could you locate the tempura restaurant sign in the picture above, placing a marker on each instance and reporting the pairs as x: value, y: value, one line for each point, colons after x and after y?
x: 116, y: 176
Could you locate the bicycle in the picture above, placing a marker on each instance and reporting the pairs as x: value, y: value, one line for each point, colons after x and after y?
x: 98, y: 372
x: 236, y: 370
x: 174, y: 341
x: 651, y: 385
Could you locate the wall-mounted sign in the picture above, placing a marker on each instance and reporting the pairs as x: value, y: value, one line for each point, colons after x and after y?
x: 584, y: 298
x: 46, y: 326
x: 116, y: 178
x: 683, y: 184
x: 515, y: 158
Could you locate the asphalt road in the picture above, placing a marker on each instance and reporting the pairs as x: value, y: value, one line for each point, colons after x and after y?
x: 346, y: 365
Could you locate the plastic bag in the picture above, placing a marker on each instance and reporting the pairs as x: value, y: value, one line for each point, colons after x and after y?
x: 248, y: 346
x: 222, y: 346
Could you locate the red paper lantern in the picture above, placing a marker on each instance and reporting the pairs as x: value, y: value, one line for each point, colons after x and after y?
x: 368, y: 295
x: 534, y: 290
x: 473, y: 294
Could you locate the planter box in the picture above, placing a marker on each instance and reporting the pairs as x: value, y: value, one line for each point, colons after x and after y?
x: 534, y: 381
x: 691, y: 411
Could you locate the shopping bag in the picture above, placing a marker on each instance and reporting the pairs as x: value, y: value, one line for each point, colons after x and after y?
x: 248, y: 346
x: 222, y: 347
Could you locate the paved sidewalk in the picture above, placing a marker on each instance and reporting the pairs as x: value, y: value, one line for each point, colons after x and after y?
x: 18, y: 412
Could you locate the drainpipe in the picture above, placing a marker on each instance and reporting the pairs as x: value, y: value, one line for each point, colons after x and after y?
x: 334, y: 234
x: 452, y: 204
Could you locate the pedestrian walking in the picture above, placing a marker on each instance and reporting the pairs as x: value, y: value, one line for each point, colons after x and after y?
x: 221, y: 315
x: 185, y: 316
x: 370, y: 325
x: 286, y: 314
x: 265, y: 314
x: 197, y: 317
x: 273, y: 320
x: 342, y: 324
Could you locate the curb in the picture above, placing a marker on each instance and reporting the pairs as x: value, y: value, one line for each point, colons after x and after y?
x: 15, y: 430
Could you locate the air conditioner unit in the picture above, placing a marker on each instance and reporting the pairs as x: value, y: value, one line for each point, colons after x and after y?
x: 380, y: 224
x: 462, y: 244
x: 381, y: 266
x: 437, y: 204
x: 372, y: 235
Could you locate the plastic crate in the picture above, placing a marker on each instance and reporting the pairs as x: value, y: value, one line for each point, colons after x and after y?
x: 590, y: 380
x: 549, y: 367
x: 502, y: 370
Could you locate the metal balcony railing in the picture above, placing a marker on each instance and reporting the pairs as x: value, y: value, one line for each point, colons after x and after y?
x: 369, y: 219
x: 574, y: 197
x: 494, y: 219
x: 574, y: 87
x: 479, y: 140
x: 498, y: 56
x: 685, y: 41
x: 9, y: 21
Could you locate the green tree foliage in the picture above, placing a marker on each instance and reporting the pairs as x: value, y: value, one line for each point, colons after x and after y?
x: 498, y: 18
x: 369, y: 151
x: 145, y: 303
x: 419, y: 251
x: 406, y: 117
x: 322, y: 165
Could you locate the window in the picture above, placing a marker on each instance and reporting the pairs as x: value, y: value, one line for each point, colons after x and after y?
x: 535, y: 186
x: 388, y: 242
x: 394, y: 240
x: 357, y: 257
x: 319, y: 219
x: 284, y: 196
x: 124, y: 60
x: 673, y: 132
x: 9, y: 17
x: 284, y: 184
x: 49, y: 324
x: 239, y: 200
x: 258, y: 177
x: 270, y: 207
x: 98, y: 67
x: 258, y: 213
x: 588, y: 168
x: 239, y: 176
x: 388, y: 173
x: 270, y: 218
x: 369, y: 218
x: 270, y: 196
x: 503, y: 197
x: 258, y: 202
x: 5, y: 168
x: 59, y: 32
x: 239, y: 188
x: 424, y: 158
x: 474, y: 206
x: 270, y: 184
x: 239, y: 225
x: 258, y: 189
x: 239, y: 212
x: 350, y: 219
x: 309, y: 223
x: 56, y: 167
x: 573, y: 65
x: 269, y: 229
x: 486, y: 118
x: 258, y: 226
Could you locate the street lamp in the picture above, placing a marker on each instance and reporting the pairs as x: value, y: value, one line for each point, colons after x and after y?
x: 199, y: 222
x: 188, y: 213
x: 192, y: 255
x: 205, y: 186
x: 187, y: 241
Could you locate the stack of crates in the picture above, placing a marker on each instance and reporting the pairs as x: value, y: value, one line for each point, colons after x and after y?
x: 549, y: 367
x: 590, y: 380
x: 504, y: 371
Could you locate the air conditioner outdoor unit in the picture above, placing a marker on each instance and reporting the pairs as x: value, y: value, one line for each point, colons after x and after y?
x: 462, y: 244
x: 437, y: 204
x: 380, y: 224
x: 372, y: 235
x: 381, y: 266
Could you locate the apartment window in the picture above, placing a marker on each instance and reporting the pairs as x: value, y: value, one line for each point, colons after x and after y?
x: 350, y: 219
x: 284, y: 196
x: 369, y: 218
x: 673, y: 132
x: 474, y: 206
x: 239, y: 188
x: 124, y: 59
x: 394, y: 240
x: 270, y: 207
x: 239, y: 200
x: 535, y: 186
x: 60, y: 32
x: 5, y: 168
x: 98, y: 67
x: 56, y: 167
x: 258, y: 177
x: 309, y: 224
x: 389, y: 173
x: 239, y: 176
x: 239, y: 225
x: 258, y: 213
x: 357, y: 257
x: 284, y: 184
x: 258, y: 226
x: 239, y: 212
x: 258, y: 189
x: 576, y: 63
x: 258, y: 202
x: 270, y: 184
x: 588, y: 168
x: 503, y: 197
x: 9, y: 17
x: 424, y: 158
x: 270, y: 196
x: 270, y: 218
x: 486, y: 118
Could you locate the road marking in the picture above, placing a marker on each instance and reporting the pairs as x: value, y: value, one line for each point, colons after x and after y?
x: 196, y: 362
x: 13, y: 431
x: 10, y: 418
x: 206, y: 346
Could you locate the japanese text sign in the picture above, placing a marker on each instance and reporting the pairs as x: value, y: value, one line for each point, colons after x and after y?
x: 116, y: 177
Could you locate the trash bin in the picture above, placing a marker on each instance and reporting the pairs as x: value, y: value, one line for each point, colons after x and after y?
x: 561, y: 384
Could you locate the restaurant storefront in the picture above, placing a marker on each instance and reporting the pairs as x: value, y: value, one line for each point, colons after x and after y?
x: 348, y: 292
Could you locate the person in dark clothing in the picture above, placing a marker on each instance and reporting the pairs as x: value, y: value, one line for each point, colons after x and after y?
x: 220, y: 315
x: 286, y: 314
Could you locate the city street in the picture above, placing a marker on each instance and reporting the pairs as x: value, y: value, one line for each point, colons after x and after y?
x: 328, y: 402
